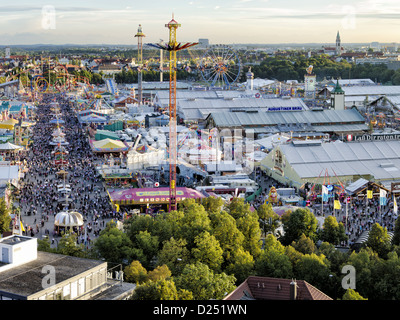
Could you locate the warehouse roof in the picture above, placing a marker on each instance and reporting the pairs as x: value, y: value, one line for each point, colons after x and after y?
x: 370, y: 90
x: 200, y: 108
x: 326, y: 117
x: 380, y: 159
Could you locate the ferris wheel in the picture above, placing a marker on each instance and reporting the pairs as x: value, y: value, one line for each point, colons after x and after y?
x: 220, y: 66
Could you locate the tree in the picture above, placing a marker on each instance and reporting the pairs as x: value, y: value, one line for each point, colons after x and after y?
x: 301, y: 221
x: 379, y: 240
x: 272, y: 243
x: 114, y: 245
x: 212, y: 204
x: 174, y: 254
x: 159, y: 273
x: 251, y: 231
x: 158, y: 290
x: 148, y: 245
x: 304, y: 245
x: 315, y: 270
x: 387, y: 273
x: 204, y: 283
x: 241, y: 265
x: 207, y: 250
x: 68, y: 246
x: 135, y: 272
x: 237, y: 208
x: 365, y: 262
x: 194, y: 221
x: 44, y: 245
x: 270, y: 219
x: 396, y: 233
x: 5, y: 218
x: 226, y: 232
x: 332, y: 231
x: 273, y: 263
x: 352, y: 295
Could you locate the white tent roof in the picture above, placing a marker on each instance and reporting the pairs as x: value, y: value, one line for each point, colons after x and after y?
x: 68, y: 219
x: 381, y: 159
x: 9, y: 146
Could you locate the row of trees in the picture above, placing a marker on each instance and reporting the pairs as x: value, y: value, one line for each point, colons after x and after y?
x: 294, y: 68
x: 204, y: 250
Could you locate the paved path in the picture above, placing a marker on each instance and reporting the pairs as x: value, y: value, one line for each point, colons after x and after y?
x: 39, y: 197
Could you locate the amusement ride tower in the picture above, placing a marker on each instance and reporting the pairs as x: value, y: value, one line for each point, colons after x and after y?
x: 173, y: 46
x: 140, y: 35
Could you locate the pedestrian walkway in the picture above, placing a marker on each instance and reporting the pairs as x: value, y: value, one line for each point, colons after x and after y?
x: 39, y: 199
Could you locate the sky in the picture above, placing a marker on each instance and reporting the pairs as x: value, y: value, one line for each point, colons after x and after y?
x: 220, y: 21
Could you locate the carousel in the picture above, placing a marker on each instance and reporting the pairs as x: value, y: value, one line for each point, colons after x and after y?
x: 68, y: 220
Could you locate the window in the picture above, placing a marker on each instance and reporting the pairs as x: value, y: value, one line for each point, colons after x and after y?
x: 278, y: 158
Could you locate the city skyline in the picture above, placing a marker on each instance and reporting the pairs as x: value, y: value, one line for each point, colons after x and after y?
x: 222, y: 21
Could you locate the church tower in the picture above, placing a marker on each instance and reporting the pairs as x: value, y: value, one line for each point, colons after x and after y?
x: 338, y: 97
x: 338, y: 45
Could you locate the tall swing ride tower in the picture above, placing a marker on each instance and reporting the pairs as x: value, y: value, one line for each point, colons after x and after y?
x: 140, y: 35
x: 173, y: 46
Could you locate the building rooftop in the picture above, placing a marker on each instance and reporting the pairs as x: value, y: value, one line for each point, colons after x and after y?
x: 26, y: 279
x: 15, y: 239
x: 265, y: 288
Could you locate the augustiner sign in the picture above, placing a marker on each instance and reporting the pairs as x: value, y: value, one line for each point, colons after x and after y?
x: 374, y: 137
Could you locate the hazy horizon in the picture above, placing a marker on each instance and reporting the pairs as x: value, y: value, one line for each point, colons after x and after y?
x: 221, y: 21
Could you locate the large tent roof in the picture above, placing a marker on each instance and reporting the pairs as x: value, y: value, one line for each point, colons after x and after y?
x: 9, y: 146
x: 109, y: 145
x: 151, y: 195
x: 380, y: 159
x: 68, y: 219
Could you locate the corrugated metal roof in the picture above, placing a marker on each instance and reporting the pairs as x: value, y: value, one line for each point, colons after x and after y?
x: 371, y: 90
x: 344, y: 159
x: 235, y: 119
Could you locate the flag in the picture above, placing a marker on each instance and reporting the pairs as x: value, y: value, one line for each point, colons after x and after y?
x: 369, y: 194
x: 22, y: 226
x: 337, y: 205
x: 394, y: 205
x: 382, y: 197
x: 324, y: 193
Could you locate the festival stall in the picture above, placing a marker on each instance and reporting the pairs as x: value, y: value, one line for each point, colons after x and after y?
x: 109, y: 145
x: 67, y: 220
x: 144, y: 196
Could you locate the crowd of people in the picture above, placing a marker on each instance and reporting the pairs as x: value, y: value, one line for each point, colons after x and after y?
x: 357, y: 216
x: 39, y: 196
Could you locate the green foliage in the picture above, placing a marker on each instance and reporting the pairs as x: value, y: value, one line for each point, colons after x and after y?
x: 207, y: 250
x: 301, y: 221
x: 159, y: 273
x: 378, y: 240
x: 314, y: 269
x: 114, y: 245
x: 352, y: 295
x: 304, y: 245
x: 269, y: 217
x: 204, y: 283
x: 174, y: 254
x: 332, y: 231
x: 5, y: 218
x: 68, y: 246
x: 135, y: 272
x: 203, y: 253
x: 241, y: 265
x: 44, y: 245
x: 274, y: 264
x: 159, y: 290
x: 293, y: 67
